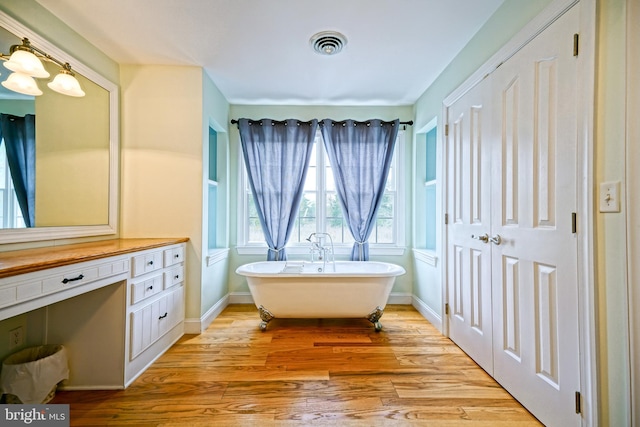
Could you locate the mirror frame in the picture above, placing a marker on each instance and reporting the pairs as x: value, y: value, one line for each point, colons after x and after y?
x: 16, y: 235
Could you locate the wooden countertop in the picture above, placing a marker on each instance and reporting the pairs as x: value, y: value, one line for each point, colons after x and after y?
x: 23, y: 261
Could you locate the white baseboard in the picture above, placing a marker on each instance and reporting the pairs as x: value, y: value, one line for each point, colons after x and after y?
x: 427, y: 312
x: 240, y: 298
x: 197, y: 326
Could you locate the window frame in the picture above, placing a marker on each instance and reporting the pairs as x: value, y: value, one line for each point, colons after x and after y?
x: 395, y: 249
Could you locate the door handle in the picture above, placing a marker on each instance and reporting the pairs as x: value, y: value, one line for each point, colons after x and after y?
x: 484, y: 238
x: 496, y: 240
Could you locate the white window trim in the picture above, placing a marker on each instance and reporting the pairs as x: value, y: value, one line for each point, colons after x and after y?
x: 375, y: 249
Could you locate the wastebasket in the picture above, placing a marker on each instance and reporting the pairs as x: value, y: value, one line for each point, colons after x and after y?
x: 32, y: 375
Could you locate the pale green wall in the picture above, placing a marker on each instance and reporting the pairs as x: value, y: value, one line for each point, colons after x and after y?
x: 215, y: 115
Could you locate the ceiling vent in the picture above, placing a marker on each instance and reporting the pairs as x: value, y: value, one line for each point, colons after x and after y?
x: 328, y: 42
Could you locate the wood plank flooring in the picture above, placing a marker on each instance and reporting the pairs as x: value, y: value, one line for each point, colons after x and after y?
x: 334, y: 372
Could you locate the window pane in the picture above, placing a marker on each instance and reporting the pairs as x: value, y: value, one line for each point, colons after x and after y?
x: 253, y: 212
x: 310, y: 181
x: 333, y: 209
x: 391, y: 180
x: 307, y: 226
x: 430, y: 219
x: 213, y: 155
x: 383, y: 231
x: 3, y: 165
x: 329, y: 180
x: 2, y: 207
x: 307, y: 205
x: 306, y: 221
x: 255, y: 229
x: 387, y: 206
x: 431, y: 155
x: 312, y: 160
x: 213, y: 195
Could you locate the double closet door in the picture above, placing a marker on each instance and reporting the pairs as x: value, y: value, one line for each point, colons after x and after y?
x: 512, y: 285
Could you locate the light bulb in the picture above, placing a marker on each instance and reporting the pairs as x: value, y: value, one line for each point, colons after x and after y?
x: 22, y: 83
x: 25, y: 62
x: 66, y: 84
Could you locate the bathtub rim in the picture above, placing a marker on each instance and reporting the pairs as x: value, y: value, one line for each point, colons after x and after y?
x: 393, y: 270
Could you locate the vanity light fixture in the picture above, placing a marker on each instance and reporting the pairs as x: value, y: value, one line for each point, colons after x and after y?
x: 25, y: 62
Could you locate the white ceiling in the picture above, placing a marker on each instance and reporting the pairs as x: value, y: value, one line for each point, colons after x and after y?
x: 258, y: 52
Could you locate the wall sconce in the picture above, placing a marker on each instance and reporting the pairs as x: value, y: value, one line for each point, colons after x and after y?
x: 25, y: 62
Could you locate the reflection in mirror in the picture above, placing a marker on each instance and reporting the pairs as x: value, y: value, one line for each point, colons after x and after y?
x: 74, y: 156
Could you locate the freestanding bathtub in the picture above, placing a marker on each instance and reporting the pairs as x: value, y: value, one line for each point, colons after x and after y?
x: 297, y: 289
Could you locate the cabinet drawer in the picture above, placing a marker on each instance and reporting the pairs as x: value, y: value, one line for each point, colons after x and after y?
x: 40, y: 284
x: 173, y: 276
x: 146, y: 263
x: 174, y: 255
x: 145, y: 288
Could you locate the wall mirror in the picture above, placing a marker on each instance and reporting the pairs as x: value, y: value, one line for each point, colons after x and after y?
x: 76, y: 150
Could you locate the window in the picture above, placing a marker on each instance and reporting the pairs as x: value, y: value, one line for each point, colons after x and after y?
x: 320, y: 209
x: 213, y: 188
x: 430, y: 189
x: 10, y: 209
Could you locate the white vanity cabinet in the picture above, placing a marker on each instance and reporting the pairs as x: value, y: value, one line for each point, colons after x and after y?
x: 115, y: 305
x: 156, y: 311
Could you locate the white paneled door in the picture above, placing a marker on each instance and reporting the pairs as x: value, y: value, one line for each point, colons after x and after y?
x: 528, y: 260
x: 534, y: 270
x: 469, y: 207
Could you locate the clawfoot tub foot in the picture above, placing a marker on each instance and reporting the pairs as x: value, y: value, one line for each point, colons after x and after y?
x: 266, y: 317
x: 374, y: 317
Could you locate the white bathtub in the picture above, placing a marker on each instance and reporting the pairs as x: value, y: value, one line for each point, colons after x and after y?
x: 282, y: 289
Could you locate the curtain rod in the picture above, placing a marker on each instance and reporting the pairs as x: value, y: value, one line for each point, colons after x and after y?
x: 234, y: 121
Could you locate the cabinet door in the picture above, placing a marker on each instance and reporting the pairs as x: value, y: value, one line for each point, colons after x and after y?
x: 152, y: 321
x: 141, y: 326
x: 176, y: 306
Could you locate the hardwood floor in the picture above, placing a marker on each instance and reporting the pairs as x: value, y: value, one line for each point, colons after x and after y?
x: 336, y: 372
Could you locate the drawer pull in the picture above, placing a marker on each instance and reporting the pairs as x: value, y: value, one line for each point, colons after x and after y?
x: 150, y: 287
x: 176, y: 256
x: 163, y: 316
x: 65, y: 280
x: 177, y: 276
x: 150, y: 263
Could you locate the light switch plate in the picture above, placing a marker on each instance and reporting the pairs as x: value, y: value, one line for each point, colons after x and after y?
x: 610, y: 196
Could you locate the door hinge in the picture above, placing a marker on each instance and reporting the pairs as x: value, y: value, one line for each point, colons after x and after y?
x: 574, y: 222
x: 446, y: 308
x: 446, y: 129
x: 446, y: 219
x: 578, y: 403
x: 576, y: 40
